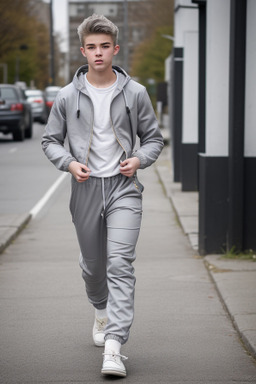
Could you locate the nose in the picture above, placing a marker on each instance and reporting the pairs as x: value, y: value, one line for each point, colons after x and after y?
x: 98, y: 51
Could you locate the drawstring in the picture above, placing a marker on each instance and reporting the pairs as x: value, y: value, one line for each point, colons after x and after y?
x: 128, y: 111
x: 126, y: 103
x: 78, y: 105
x: 103, y: 196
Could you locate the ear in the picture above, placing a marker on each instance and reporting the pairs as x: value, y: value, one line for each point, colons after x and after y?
x: 116, y: 49
x: 82, y: 51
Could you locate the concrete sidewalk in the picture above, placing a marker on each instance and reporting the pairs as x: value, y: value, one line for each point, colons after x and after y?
x: 235, y: 280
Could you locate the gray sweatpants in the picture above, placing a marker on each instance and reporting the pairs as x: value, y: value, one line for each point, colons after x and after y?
x: 107, y: 216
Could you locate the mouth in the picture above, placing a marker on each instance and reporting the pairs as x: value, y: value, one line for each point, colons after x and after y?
x: 98, y: 61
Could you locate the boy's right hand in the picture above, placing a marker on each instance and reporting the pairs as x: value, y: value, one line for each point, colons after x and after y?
x: 80, y: 172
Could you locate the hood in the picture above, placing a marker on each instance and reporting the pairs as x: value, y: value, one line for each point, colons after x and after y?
x: 79, y: 83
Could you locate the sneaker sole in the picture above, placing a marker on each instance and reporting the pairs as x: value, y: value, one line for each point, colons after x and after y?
x: 97, y: 344
x: 113, y: 372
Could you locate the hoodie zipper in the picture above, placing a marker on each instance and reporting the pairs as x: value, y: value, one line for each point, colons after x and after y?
x: 117, y: 139
x: 119, y: 142
x: 91, y: 136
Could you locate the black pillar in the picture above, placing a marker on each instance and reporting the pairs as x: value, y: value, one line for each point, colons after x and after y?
x: 213, y: 207
x: 177, y: 112
x: 236, y: 124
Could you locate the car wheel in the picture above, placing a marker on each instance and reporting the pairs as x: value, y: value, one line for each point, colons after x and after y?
x: 18, y: 134
x: 43, y: 119
x: 29, y: 128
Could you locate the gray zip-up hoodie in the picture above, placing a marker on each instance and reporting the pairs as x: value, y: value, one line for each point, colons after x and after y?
x: 72, y: 115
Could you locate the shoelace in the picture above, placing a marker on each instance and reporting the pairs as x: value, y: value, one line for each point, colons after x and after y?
x: 100, y: 324
x: 114, y: 355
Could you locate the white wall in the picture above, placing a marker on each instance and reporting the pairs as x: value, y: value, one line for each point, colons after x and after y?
x: 184, y: 3
x: 186, y: 36
x: 185, y: 19
x: 250, y: 83
x: 190, y: 88
x: 217, y: 77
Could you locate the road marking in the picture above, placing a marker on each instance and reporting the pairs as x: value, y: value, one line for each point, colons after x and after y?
x: 12, y: 150
x: 41, y: 203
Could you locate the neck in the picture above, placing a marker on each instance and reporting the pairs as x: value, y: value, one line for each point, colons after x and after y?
x: 101, y: 79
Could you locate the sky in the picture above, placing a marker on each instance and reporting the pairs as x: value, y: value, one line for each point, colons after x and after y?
x: 60, y: 20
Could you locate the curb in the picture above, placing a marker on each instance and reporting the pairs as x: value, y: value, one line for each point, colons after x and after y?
x: 11, y: 230
x: 248, y: 342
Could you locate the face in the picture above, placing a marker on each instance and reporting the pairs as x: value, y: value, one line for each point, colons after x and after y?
x: 99, y: 50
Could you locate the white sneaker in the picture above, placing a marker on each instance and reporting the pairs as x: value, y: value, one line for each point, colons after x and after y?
x: 98, y: 331
x: 113, y: 365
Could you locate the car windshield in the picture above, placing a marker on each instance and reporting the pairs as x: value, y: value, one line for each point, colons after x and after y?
x: 8, y: 93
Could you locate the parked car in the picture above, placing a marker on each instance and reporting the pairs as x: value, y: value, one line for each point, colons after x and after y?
x: 38, y: 104
x: 50, y: 94
x: 15, y: 112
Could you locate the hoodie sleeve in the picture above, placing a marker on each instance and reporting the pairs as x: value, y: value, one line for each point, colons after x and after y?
x: 53, y: 140
x: 151, y: 139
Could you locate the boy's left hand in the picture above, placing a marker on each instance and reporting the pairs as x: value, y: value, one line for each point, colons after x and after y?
x: 129, y: 166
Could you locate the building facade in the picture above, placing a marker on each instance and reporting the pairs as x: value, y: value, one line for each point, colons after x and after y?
x: 214, y: 137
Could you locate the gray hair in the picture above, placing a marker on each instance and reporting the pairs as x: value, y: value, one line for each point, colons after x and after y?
x: 97, y: 24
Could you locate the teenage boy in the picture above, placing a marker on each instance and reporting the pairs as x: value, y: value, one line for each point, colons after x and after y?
x: 100, y: 113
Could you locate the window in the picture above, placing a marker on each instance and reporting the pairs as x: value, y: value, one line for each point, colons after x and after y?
x: 108, y: 10
x: 8, y: 93
x: 75, y: 9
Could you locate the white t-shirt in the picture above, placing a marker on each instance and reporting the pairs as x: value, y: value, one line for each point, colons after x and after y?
x: 105, y: 151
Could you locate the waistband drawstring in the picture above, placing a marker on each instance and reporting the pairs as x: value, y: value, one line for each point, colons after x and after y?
x: 103, y: 196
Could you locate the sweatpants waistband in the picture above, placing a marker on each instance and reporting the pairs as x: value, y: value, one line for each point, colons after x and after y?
x: 106, y: 180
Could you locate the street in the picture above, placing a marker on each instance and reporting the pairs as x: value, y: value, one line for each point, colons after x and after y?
x: 181, y: 332
x: 26, y: 174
